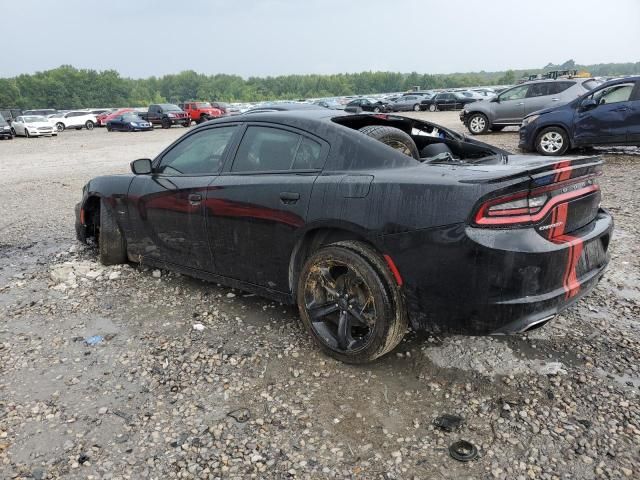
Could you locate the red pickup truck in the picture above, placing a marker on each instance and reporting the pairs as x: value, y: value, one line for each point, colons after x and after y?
x: 201, y: 111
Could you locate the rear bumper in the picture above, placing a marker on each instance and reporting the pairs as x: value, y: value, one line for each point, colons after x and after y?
x: 474, y: 281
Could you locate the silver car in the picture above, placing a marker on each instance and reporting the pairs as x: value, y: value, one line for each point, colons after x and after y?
x: 515, y: 103
x: 406, y: 103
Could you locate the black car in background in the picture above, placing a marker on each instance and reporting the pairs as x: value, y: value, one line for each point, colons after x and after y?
x: 351, y: 218
x: 5, y: 129
x: 366, y: 105
x: 446, y: 101
x: 128, y: 122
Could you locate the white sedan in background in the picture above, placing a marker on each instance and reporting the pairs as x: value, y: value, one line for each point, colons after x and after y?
x: 33, y: 126
x: 77, y: 119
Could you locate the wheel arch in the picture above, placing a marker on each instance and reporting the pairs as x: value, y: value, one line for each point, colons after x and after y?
x: 318, y: 236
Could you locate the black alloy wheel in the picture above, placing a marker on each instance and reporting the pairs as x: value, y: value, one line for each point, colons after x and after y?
x: 349, y: 303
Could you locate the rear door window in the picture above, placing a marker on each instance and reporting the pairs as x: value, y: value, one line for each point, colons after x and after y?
x: 265, y: 149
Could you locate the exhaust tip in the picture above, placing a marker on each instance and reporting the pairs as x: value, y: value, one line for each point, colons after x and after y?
x: 537, y: 324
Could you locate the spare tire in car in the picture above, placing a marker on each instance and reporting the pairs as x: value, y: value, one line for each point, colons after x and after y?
x: 393, y: 137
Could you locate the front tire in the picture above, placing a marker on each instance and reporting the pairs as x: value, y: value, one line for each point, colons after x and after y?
x: 26, y: 133
x: 166, y: 124
x: 433, y: 107
x: 112, y: 249
x: 552, y: 141
x: 350, y: 304
x: 394, y: 138
x: 89, y: 125
x: 416, y: 107
x: 60, y: 126
x: 478, y: 123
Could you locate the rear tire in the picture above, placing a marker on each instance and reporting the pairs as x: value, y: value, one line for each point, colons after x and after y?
x: 111, y: 245
x: 478, y: 124
x: 552, y: 141
x: 370, y: 319
x: 394, y: 138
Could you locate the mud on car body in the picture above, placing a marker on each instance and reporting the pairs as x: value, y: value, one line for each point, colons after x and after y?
x: 368, y: 223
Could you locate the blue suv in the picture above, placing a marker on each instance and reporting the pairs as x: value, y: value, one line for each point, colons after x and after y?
x: 607, y: 115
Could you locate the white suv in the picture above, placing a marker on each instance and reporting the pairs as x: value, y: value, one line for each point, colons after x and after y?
x: 76, y: 119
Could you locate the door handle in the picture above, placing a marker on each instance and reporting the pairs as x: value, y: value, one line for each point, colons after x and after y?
x: 195, y: 198
x: 289, y: 197
x: 521, y: 103
x: 555, y: 99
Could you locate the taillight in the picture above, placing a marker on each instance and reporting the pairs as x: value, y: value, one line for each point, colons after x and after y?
x: 531, y: 206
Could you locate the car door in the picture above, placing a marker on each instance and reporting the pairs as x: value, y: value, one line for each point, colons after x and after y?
x: 509, y: 105
x: 260, y: 201
x: 166, y: 207
x: 608, y: 121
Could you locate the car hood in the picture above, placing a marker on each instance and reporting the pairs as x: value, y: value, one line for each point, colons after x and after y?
x: 39, y: 124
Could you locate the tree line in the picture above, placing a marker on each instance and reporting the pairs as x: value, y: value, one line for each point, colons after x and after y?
x: 68, y: 87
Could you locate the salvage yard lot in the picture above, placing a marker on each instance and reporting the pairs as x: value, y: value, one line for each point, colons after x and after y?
x: 250, y: 394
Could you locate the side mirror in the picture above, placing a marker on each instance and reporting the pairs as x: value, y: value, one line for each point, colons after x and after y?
x: 142, y: 166
x: 588, y: 104
x: 496, y: 99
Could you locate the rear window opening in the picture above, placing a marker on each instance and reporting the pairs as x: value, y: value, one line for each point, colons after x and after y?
x: 452, y: 147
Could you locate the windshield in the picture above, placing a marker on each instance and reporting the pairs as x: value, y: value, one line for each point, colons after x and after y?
x: 131, y: 117
x: 203, y: 105
x: 34, y: 118
x: 170, y: 108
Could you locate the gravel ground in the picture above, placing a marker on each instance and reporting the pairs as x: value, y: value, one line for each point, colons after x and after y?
x: 194, y: 380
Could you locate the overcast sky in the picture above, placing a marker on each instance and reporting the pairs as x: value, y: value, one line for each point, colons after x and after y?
x: 140, y: 38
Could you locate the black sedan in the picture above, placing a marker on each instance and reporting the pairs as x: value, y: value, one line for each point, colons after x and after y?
x: 366, y: 105
x: 446, y: 101
x: 369, y: 223
x: 129, y: 122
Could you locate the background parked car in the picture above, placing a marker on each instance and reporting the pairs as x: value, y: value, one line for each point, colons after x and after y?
x: 200, y: 111
x: 75, y: 119
x: 446, y: 101
x: 128, y: 122
x: 5, y: 129
x: 166, y: 114
x: 406, y: 103
x: 105, y: 117
x: 608, y: 115
x: 33, y: 126
x: 366, y: 105
x: 513, y: 104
